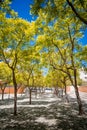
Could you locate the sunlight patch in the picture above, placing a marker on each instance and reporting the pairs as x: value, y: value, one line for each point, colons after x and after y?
x: 49, y: 122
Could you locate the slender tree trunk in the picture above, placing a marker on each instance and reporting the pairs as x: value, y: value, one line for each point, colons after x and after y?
x: 3, y: 89
x: 15, y: 92
x: 77, y: 95
x: 74, y: 69
x: 30, y: 95
x: 9, y: 93
x: 2, y: 94
x: 56, y: 91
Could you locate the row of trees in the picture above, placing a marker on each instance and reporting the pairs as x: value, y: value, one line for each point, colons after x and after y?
x: 55, y: 36
x: 62, y: 27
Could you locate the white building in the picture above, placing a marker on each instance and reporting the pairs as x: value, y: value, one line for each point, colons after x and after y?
x: 83, y: 75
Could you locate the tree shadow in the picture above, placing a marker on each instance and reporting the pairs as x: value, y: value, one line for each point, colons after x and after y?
x: 66, y: 115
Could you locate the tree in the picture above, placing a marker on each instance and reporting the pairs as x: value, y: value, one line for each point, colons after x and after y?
x: 5, y: 77
x: 28, y: 66
x: 53, y: 80
x: 61, y: 9
x: 12, y: 45
x: 61, y: 42
x: 64, y: 79
x: 27, y: 70
x: 6, y: 9
x: 72, y: 66
x: 2, y: 87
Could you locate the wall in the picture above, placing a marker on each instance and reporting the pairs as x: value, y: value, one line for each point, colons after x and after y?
x: 80, y: 88
x: 10, y: 90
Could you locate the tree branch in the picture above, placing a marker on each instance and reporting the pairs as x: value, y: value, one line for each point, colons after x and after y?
x: 76, y: 13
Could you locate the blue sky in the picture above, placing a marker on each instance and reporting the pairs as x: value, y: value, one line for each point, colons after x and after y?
x: 23, y: 9
x: 84, y: 39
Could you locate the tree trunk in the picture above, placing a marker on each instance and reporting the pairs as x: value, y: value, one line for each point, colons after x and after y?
x: 2, y: 94
x: 2, y: 89
x: 30, y: 95
x: 81, y: 111
x: 29, y: 89
x: 15, y: 92
x: 56, y: 91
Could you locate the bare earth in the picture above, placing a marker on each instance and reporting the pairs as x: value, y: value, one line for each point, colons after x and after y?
x: 47, y: 112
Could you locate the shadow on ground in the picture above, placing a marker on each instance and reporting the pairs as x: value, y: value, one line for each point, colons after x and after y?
x: 65, y: 115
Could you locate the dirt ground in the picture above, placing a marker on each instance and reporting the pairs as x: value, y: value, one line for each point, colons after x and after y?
x: 47, y: 112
